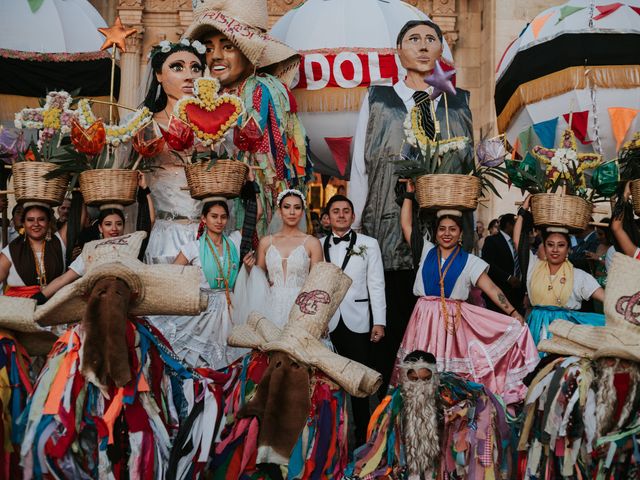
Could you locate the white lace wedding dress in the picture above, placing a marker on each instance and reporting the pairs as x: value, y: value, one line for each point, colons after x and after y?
x: 287, y: 275
x: 274, y: 297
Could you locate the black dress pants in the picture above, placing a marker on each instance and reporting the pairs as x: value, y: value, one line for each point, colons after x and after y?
x: 400, y: 304
x: 357, y: 347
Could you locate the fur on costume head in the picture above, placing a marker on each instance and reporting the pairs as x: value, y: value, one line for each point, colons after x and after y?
x: 104, y: 353
x: 420, y: 415
x: 281, y: 403
x: 614, y: 376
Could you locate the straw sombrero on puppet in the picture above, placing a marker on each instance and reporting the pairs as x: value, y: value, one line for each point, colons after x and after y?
x: 157, y: 289
x: 620, y: 337
x: 300, y: 338
x: 245, y: 23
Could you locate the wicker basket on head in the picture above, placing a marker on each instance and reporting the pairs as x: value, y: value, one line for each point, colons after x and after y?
x: 109, y: 185
x: 559, y: 210
x: 635, y: 195
x: 454, y: 191
x: 224, y: 179
x: 30, y: 185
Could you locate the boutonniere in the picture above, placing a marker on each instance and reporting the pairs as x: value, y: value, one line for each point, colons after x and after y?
x: 357, y: 250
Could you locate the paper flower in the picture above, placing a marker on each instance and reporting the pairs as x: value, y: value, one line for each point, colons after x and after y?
x: 89, y: 141
x: 116, y: 134
x: 492, y: 152
x: 147, y: 147
x: 12, y: 143
x: 178, y: 135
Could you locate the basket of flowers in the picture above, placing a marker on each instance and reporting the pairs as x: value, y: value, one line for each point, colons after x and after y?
x: 560, y: 210
x: 557, y: 179
x: 34, y: 163
x: 224, y: 178
x: 30, y: 183
x: 446, y: 176
x: 207, y: 118
x: 95, y: 158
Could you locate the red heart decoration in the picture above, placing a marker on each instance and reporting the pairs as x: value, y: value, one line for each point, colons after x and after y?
x: 209, y: 115
x: 209, y: 121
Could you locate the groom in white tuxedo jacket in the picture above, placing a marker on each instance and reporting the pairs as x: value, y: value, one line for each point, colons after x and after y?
x: 361, y: 317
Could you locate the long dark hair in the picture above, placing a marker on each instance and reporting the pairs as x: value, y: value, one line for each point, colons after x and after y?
x: 205, y: 211
x: 110, y: 211
x: 42, y: 208
x: 154, y: 101
x: 455, y: 218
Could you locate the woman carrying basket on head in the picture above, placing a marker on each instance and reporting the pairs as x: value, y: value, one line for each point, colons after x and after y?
x: 27, y: 264
x: 201, y: 340
x: 556, y: 288
x: 486, y: 347
x: 111, y: 224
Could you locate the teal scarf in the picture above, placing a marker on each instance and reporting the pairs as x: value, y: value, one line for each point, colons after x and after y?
x: 210, y: 266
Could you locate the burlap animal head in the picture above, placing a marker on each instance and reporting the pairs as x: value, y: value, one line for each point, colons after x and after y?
x: 104, y: 352
x: 621, y: 336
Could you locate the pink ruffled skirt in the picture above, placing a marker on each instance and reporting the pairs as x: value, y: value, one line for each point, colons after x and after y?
x: 484, y: 346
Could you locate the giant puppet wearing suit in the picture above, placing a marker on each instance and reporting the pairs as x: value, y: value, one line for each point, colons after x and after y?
x: 361, y: 316
x: 378, y: 143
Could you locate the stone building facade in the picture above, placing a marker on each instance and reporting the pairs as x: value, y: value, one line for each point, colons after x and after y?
x: 478, y: 31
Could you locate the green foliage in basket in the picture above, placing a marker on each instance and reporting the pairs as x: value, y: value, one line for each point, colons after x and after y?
x: 451, y: 161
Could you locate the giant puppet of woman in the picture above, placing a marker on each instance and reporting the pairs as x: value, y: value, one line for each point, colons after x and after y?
x: 258, y: 69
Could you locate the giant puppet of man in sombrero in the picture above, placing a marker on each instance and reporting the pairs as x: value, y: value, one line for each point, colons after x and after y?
x: 257, y: 68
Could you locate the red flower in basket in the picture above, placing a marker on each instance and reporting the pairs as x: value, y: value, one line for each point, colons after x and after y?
x: 147, y: 148
x: 29, y: 156
x: 89, y: 141
x: 178, y: 135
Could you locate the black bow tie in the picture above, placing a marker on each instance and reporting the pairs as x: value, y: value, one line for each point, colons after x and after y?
x: 346, y: 238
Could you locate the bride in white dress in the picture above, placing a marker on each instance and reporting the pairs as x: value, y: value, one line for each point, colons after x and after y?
x: 286, y: 258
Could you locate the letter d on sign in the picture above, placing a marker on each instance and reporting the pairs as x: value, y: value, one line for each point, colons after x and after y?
x: 324, y: 70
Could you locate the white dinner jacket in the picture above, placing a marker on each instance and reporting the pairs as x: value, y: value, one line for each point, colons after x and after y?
x: 367, y: 273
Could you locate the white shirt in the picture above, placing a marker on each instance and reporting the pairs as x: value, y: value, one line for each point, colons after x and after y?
x: 359, y: 183
x: 474, y: 267
x: 191, y: 251
x: 78, y: 266
x: 13, y: 279
x: 583, y: 284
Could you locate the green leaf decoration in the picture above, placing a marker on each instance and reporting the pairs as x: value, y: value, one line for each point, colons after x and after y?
x: 604, y: 180
x: 526, y: 174
x: 35, y: 5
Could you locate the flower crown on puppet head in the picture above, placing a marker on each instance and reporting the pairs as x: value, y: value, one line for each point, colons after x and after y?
x: 291, y: 191
x: 166, y: 46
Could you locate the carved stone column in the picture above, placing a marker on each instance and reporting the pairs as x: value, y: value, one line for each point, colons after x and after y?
x: 130, y: 12
x: 444, y: 13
